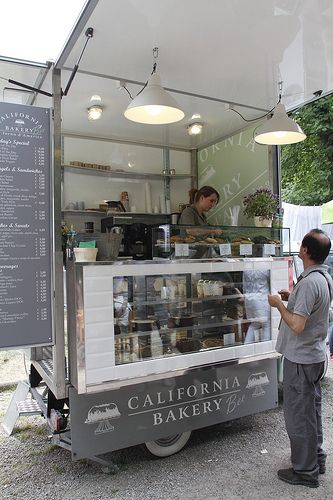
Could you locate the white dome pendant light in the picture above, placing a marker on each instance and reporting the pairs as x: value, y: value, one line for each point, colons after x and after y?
x: 280, y: 129
x: 153, y: 105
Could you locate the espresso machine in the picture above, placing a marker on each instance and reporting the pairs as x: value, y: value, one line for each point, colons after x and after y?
x: 137, y: 232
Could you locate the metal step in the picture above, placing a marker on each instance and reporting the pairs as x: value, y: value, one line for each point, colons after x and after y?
x: 20, y: 404
x: 28, y: 407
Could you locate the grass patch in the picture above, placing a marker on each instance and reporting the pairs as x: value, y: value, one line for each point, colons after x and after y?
x: 7, y: 388
x: 41, y: 429
x: 24, y: 437
x: 26, y: 431
x: 23, y: 428
x: 52, y: 448
x: 84, y: 461
x: 59, y: 469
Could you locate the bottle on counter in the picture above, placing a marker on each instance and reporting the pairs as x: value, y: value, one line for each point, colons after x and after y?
x: 278, y: 220
x: 71, y: 244
x: 125, y: 200
x: 64, y: 236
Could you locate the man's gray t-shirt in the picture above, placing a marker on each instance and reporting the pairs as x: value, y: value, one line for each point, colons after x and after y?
x: 311, y: 299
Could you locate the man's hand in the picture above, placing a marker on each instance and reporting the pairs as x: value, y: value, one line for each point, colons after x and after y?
x: 294, y: 321
x: 284, y: 294
x: 274, y: 300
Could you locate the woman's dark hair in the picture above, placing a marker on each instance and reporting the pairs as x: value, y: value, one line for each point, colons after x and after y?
x: 191, y: 194
x: 318, y: 245
x: 204, y: 191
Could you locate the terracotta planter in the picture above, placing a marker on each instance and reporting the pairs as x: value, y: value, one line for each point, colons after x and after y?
x: 262, y: 221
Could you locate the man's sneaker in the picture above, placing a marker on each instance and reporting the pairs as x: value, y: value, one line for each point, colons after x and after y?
x: 291, y: 477
x: 322, y: 468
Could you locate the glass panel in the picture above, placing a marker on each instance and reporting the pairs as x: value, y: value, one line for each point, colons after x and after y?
x: 197, y: 242
x: 168, y: 315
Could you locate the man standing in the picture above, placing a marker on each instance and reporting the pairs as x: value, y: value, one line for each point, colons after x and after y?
x: 301, y: 340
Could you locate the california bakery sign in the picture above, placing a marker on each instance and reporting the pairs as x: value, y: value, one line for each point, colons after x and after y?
x: 189, y: 401
x: 21, y: 124
x: 154, y: 409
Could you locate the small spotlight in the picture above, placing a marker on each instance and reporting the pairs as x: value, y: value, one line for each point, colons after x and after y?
x: 94, y: 112
x: 194, y: 128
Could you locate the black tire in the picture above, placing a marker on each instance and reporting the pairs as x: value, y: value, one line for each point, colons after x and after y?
x: 165, y: 447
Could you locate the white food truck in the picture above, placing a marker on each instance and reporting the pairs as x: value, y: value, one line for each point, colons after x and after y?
x: 170, y: 333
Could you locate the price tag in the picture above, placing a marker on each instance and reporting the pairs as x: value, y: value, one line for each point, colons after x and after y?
x: 245, y: 249
x: 225, y: 249
x: 229, y: 338
x: 182, y: 250
x: 269, y: 249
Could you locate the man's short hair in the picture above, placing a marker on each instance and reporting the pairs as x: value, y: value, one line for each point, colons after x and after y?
x: 318, y: 245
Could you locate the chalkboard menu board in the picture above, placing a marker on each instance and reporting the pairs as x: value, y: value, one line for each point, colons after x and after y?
x: 25, y: 226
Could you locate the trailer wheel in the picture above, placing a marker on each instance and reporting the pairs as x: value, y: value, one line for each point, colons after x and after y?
x: 165, y: 447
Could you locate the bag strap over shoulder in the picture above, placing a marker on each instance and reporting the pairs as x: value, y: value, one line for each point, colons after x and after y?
x: 323, y: 274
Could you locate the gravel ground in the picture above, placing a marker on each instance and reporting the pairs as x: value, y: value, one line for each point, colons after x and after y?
x: 237, y: 461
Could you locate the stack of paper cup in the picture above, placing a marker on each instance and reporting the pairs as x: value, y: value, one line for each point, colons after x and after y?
x: 148, y: 198
x: 162, y: 202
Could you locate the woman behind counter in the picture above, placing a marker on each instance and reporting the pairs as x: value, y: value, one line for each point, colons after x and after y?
x: 201, y: 201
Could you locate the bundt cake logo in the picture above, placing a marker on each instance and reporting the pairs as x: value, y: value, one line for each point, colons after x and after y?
x: 256, y: 381
x: 101, y: 415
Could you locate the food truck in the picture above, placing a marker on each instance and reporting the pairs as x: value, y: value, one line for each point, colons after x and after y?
x: 166, y: 330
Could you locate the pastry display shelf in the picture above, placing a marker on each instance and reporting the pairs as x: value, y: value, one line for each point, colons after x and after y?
x: 192, y: 328
x: 209, y: 245
x: 180, y: 300
x: 211, y: 242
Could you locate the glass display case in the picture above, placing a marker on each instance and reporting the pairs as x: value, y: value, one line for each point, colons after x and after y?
x: 131, y: 320
x: 211, y: 242
x: 166, y: 315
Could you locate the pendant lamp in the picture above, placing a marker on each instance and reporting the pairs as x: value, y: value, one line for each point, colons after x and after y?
x: 280, y: 129
x: 153, y: 105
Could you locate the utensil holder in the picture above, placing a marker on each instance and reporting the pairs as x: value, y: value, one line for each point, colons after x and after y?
x: 109, y: 246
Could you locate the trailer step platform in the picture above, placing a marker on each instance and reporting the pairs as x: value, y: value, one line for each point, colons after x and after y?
x: 20, y: 405
x: 28, y: 407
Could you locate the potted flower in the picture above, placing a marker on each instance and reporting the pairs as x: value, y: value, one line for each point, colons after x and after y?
x: 262, y: 205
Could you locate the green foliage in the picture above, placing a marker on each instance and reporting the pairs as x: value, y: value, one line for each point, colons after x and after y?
x: 307, y: 173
